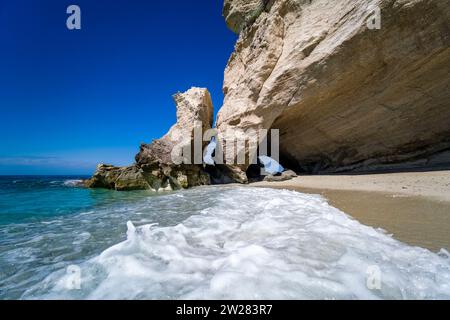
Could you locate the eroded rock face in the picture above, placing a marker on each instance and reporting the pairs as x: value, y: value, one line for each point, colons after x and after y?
x: 194, y: 109
x: 119, y: 178
x: 154, y: 168
x: 344, y: 97
x: 241, y: 13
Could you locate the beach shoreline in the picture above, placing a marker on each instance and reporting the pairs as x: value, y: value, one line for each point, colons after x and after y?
x: 413, y: 206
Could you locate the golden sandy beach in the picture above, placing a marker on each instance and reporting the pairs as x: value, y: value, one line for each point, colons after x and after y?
x: 414, y: 207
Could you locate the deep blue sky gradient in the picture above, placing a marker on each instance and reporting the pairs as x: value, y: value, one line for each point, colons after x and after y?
x: 71, y: 99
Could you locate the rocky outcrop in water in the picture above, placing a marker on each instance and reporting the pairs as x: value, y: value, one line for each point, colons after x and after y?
x: 344, y: 96
x: 154, y: 168
x: 120, y: 178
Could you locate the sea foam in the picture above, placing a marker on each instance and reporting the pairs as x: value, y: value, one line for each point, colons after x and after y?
x: 248, y: 243
x: 73, y: 183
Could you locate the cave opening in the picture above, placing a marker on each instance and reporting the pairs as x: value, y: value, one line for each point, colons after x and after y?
x: 290, y: 163
x: 219, y: 174
x: 254, y: 173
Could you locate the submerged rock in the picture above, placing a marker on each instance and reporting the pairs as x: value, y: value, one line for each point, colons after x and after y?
x: 154, y: 168
x: 344, y: 96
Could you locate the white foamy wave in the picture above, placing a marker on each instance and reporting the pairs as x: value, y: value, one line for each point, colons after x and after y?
x: 252, y: 243
x: 73, y: 183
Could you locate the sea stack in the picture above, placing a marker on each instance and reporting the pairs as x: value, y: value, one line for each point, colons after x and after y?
x: 154, y: 168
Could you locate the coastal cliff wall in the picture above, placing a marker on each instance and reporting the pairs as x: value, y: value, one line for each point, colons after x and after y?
x: 344, y: 96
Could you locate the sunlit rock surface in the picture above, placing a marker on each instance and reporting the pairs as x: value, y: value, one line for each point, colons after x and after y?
x: 344, y: 96
x: 154, y: 168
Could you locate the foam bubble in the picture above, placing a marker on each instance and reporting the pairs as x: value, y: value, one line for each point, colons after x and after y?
x: 248, y: 243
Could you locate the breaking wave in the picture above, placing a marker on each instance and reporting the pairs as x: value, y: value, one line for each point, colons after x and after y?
x: 248, y: 243
x: 73, y: 183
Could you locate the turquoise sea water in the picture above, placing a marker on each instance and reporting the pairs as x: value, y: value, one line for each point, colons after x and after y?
x: 216, y: 242
x: 47, y: 224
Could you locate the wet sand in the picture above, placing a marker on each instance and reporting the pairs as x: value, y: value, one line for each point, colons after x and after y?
x: 413, y: 207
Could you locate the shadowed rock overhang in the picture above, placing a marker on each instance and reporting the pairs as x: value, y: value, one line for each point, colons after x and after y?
x: 344, y: 96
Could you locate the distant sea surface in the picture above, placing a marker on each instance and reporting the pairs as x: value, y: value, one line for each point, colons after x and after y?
x: 61, y: 241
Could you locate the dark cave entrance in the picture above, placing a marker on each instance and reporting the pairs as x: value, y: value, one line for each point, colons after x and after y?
x: 254, y: 173
x: 219, y: 174
x: 289, y: 163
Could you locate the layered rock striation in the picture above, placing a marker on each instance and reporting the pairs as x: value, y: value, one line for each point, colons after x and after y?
x: 344, y: 96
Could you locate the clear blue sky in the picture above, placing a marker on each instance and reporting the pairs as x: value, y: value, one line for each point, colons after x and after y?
x: 72, y: 99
